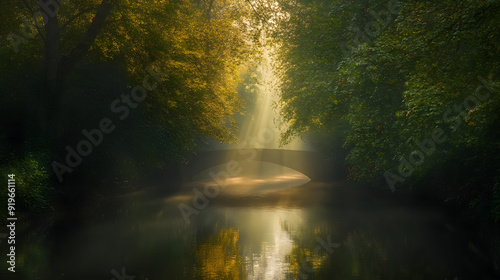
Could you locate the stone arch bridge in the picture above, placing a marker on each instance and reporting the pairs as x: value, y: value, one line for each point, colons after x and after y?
x: 312, y: 164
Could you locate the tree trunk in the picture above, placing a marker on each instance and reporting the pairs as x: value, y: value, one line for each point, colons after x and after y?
x: 53, y: 55
x: 57, y: 66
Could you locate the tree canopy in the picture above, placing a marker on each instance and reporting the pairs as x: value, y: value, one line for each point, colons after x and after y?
x: 68, y: 65
x: 385, y: 76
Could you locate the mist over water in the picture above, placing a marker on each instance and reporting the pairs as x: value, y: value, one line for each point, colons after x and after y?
x: 260, y: 227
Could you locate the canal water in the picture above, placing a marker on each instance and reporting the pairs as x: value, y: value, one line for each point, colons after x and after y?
x: 277, y: 225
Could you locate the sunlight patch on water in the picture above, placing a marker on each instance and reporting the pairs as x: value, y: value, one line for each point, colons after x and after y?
x: 256, y: 178
x: 266, y: 244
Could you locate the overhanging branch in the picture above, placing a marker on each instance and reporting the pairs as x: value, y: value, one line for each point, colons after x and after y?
x: 32, y: 12
x: 78, y: 52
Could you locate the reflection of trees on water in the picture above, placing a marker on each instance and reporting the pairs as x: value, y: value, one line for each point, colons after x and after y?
x: 219, y: 257
x: 362, y: 255
x: 303, y: 251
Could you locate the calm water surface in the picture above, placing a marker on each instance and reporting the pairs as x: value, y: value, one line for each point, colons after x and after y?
x: 273, y: 226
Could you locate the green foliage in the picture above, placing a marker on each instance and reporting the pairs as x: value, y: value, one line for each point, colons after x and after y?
x: 199, y: 46
x: 384, y: 91
x: 33, y: 192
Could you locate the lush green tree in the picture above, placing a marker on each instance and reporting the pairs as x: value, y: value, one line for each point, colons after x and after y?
x: 65, y: 63
x: 384, y: 75
x: 200, y: 45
